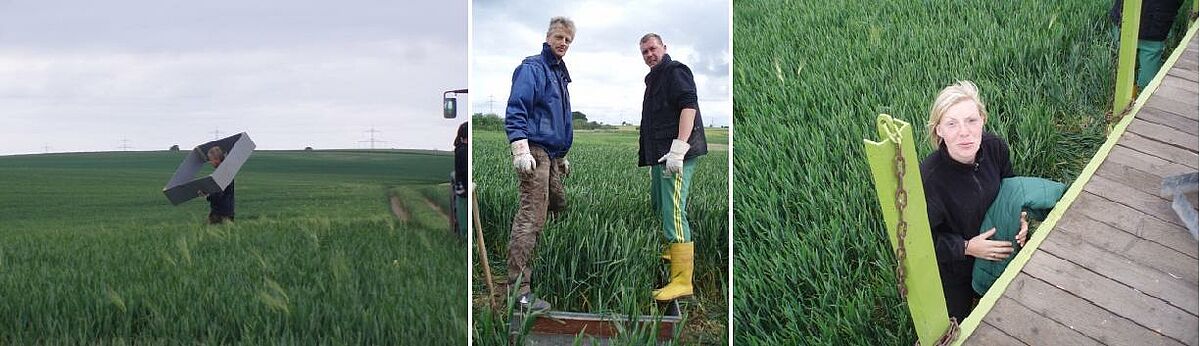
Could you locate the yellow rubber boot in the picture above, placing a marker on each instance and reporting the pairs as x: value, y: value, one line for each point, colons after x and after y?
x: 681, y: 273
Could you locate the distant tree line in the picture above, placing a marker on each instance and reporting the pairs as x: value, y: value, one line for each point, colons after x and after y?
x: 491, y: 121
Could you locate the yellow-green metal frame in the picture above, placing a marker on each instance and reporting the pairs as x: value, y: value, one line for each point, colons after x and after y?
x: 1127, y: 55
x: 926, y: 302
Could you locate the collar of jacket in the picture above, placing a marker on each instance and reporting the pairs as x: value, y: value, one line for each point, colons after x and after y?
x: 662, y: 65
x: 554, y: 61
x: 959, y: 166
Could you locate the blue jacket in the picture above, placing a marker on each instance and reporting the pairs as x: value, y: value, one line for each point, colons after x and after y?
x: 539, y: 106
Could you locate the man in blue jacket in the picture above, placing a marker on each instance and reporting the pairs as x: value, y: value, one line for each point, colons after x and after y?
x: 538, y: 123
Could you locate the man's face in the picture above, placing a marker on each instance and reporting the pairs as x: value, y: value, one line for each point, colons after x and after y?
x: 559, y: 40
x: 215, y: 162
x: 652, y: 51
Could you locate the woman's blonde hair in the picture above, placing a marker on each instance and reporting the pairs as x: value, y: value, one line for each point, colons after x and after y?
x: 951, y: 95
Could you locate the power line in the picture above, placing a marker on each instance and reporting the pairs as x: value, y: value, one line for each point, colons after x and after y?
x: 216, y: 134
x: 373, y: 131
x: 46, y: 147
x: 491, y: 100
x: 125, y: 144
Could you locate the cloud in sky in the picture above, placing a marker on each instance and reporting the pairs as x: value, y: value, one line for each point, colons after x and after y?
x: 605, y: 64
x: 82, y: 76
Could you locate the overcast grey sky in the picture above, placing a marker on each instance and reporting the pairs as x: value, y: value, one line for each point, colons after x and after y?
x: 604, y: 60
x: 82, y: 76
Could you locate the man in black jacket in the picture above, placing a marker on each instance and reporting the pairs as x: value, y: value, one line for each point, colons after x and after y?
x: 220, y: 203
x: 669, y: 140
x: 460, y: 180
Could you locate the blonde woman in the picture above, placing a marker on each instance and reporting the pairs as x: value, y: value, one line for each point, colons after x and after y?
x: 961, y: 179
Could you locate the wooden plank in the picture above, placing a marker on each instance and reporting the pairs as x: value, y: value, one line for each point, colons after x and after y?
x: 1119, y: 192
x: 1099, y: 234
x: 1191, y: 59
x: 1161, y: 150
x: 1134, y: 222
x: 1187, y: 66
x: 1139, y: 170
x: 1113, y: 296
x: 1173, y: 106
x: 1081, y: 315
x: 1188, y: 57
x: 1136, y: 179
x: 1187, y: 97
x: 1151, y: 281
x: 986, y: 334
x: 1031, y: 328
x: 1163, y: 134
x: 1146, y: 162
x: 1179, y: 83
x: 1163, y: 117
x: 1183, y: 74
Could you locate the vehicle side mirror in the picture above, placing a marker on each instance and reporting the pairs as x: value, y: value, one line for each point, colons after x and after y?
x: 450, y: 103
x: 450, y: 108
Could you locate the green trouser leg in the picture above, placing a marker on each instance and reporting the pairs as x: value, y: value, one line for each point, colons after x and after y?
x: 1149, y: 57
x: 1149, y: 61
x: 460, y: 208
x: 671, y: 191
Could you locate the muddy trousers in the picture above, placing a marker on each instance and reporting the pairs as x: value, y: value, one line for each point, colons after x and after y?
x: 668, y: 196
x: 540, y: 191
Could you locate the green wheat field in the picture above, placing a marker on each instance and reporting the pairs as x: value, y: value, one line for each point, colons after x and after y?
x: 91, y: 252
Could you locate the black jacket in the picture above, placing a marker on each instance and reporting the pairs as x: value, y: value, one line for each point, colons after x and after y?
x: 958, y: 196
x: 222, y: 202
x: 460, y: 168
x: 670, y: 88
x: 1157, y: 18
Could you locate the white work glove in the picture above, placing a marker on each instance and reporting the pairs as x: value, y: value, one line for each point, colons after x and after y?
x: 674, y: 158
x: 522, y: 159
x: 566, y: 167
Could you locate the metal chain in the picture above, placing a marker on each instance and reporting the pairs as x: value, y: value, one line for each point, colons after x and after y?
x: 902, y: 226
x: 902, y: 233
x: 950, y: 335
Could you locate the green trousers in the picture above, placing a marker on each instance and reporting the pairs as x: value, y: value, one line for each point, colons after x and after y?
x: 668, y: 195
x: 460, y: 209
x: 1149, y: 58
x: 1149, y: 61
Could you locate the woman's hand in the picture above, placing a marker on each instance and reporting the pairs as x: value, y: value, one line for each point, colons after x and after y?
x: 992, y: 250
x: 1024, y: 233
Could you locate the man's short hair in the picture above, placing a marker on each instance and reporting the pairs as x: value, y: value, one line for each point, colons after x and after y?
x: 216, y: 152
x: 649, y: 36
x: 565, y: 22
